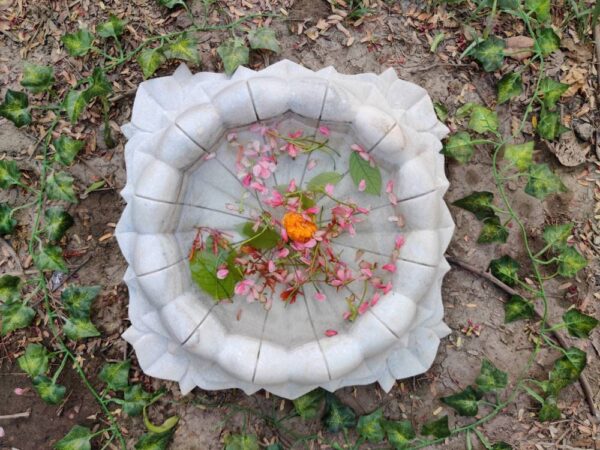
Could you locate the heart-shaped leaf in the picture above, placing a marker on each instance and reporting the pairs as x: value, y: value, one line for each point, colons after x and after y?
x: 492, y: 231
x: 556, y: 235
x: 241, y: 442
x: 15, y: 315
x: 74, y: 104
x: 541, y: 9
x: 566, y: 370
x: 150, y: 60
x: 517, y: 308
x: 185, y: 48
x: 9, y: 174
x: 154, y: 441
x: 459, y: 147
x: 233, y: 53
x: 483, y: 120
x: 113, y: 27
x: 547, y: 41
x: 337, y: 416
x: 77, y: 300
x: 57, y: 222
x: 116, y: 375
x: 48, y: 390
x: 77, y: 439
x: 76, y: 329
x: 7, y: 223
x: 570, y: 261
x: 50, y: 258
x: 551, y: 92
x: 549, y: 410
x: 490, y: 378
x: 263, y: 38
x: 135, y: 398
x: 308, y: 405
x: 466, y: 403
x: 204, y: 266
x: 78, y: 43
x: 35, y: 360
x: 579, y: 325
x: 99, y: 85
x: 399, y: 433
x: 318, y: 182
x: 489, y: 53
x: 16, y: 108
x: 59, y: 186
x: 549, y: 126
x: 543, y: 182
x: 509, y: 86
x: 9, y: 288
x: 67, y: 149
x: 37, y: 78
x: 361, y: 170
x: 519, y: 155
x: 436, y: 428
x: 370, y: 427
x: 505, y: 269
x: 478, y: 203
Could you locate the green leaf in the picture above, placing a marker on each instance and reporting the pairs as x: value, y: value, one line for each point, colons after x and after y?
x: 74, y: 104
x: 241, y: 442
x: 440, y: 111
x: 318, y: 182
x: 150, y: 60
x: 135, y: 398
x: 399, y: 433
x: 37, y: 78
x: 464, y: 110
x: 9, y: 288
x: 483, y: 120
x: 99, y: 85
x: 113, y: 27
x: 547, y: 41
x: 370, y: 427
x: 263, y: 38
x: 154, y: 441
x: 116, y: 375
x: 519, y: 155
x: 77, y: 300
x: 57, y: 222
x: 489, y: 53
x: 570, y: 261
x: 478, y: 203
x: 505, y: 269
x: 264, y: 238
x: 501, y: 446
x: 59, y: 186
x: 541, y: 9
x: 308, y: 406
x: 492, y: 231
x: 15, y: 315
x: 437, y: 40
x: 566, y: 370
x: 164, y: 427
x: 16, y: 108
x: 556, y: 235
x: 459, y: 147
x: 67, y: 149
x: 543, y: 182
x: 549, y: 410
x: 337, y: 415
x: 9, y: 174
x: 35, y: 360
x: 204, y: 266
x: 78, y: 43
x: 76, y: 329
x: 549, y: 126
x: 362, y: 170
x: 7, y: 223
x: 517, y: 308
x: 50, y: 258
x: 490, y: 378
x: 77, y: 439
x: 437, y: 428
x: 233, y: 53
x: 171, y: 3
x: 579, y: 325
x: 509, y: 86
x: 185, y: 48
x: 274, y: 447
x: 551, y: 92
x: 466, y: 403
x: 48, y: 390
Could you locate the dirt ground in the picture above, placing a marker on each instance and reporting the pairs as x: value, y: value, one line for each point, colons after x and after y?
x: 394, y: 37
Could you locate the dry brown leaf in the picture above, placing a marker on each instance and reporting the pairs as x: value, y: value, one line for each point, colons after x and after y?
x: 519, y: 47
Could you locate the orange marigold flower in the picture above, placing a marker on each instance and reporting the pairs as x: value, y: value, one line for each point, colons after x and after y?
x: 298, y: 228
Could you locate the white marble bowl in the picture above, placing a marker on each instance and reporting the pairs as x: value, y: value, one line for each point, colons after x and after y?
x: 178, y: 332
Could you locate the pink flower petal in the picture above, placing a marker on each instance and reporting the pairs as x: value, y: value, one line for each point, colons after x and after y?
x: 400, y: 240
x: 389, y: 267
x: 329, y: 189
x: 324, y: 131
x: 362, y: 185
x: 222, y: 274
x: 363, y: 307
x: 320, y: 297
x: 389, y: 187
x: 330, y: 333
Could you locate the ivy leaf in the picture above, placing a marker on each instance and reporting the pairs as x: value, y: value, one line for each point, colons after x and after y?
x: 549, y: 410
x: 566, y: 370
x: 543, y: 182
x: 459, y: 147
x: 362, y: 170
x: 37, y: 78
x: 116, y: 375
x: 490, y: 378
x: 437, y: 428
x: 77, y: 300
x: 541, y: 9
x: 492, y: 231
x: 77, y: 328
x: 370, y: 426
x: 150, y: 60
x: 78, y: 43
x: 570, y: 261
x: 7, y: 223
x: 549, y: 126
x: 551, y: 91
x: 77, y: 439
x: 154, y: 441
x: 478, y: 203
x: 9, y: 174
x: 579, y: 325
x: 505, y: 269
x: 466, y: 403
x: 185, y: 48
x: 58, y: 221
x: 167, y: 425
x: 204, y: 266
x: 483, y: 120
x: 9, y: 288
x: 509, y: 86
x: 519, y: 155
x: 59, y: 186
x: 233, y: 53
x: 307, y: 406
x: 99, y: 85
x: 74, y: 104
x: 263, y: 38
x: 556, y: 235
x: 399, y: 433
x: 547, y: 41
x: 517, y: 308
x: 50, y: 258
x: 318, y: 182
x: 464, y: 110
x: 16, y: 108
x: 337, y: 415
x: 489, y: 53
x: 241, y: 442
x: 135, y: 398
x: 35, y: 360
x: 171, y: 3
x: 67, y: 149
x: 48, y: 390
x: 440, y: 111
x: 15, y: 315
x: 113, y: 27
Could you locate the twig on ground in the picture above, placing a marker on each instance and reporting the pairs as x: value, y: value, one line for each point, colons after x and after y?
x: 585, y: 385
x: 72, y: 273
x: 16, y: 415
